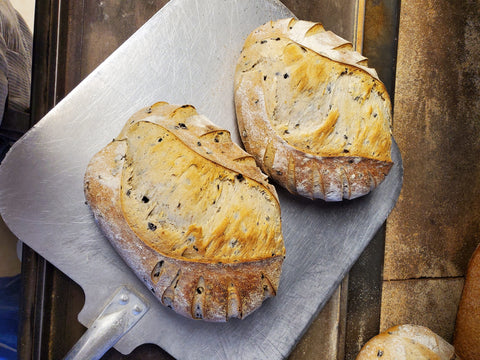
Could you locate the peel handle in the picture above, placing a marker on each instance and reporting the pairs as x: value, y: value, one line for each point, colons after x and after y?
x: 123, y: 311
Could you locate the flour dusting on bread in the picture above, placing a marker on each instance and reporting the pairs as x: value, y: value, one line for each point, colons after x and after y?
x: 190, y: 212
x: 316, y: 118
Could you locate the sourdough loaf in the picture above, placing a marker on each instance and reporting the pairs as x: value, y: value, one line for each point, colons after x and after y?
x: 407, y: 342
x: 316, y: 118
x: 467, y: 325
x: 190, y: 212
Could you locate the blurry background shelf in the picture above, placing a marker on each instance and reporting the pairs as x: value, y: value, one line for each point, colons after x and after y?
x: 9, y: 254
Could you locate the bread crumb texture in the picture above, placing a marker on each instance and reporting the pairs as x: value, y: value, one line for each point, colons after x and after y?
x: 190, y: 212
x: 305, y: 100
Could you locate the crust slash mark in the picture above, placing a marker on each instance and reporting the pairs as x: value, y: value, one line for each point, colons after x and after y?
x: 183, y: 112
x: 268, y: 289
x: 217, y: 136
x: 246, y: 160
x: 373, y: 183
x: 234, y: 304
x: 315, y: 29
x: 346, y: 189
x: 199, y: 300
x: 291, y: 178
x: 269, y: 155
x: 168, y: 296
x: 291, y: 23
x: 157, y: 271
x: 318, y: 188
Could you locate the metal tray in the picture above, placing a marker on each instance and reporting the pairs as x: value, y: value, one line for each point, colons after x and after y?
x: 184, y: 54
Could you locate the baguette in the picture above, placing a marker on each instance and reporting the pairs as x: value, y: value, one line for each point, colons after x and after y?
x: 190, y: 212
x: 316, y: 118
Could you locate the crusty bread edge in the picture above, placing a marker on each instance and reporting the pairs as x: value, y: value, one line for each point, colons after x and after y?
x: 467, y: 325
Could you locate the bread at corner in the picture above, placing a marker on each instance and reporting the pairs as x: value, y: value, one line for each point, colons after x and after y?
x: 407, y: 342
x: 467, y: 325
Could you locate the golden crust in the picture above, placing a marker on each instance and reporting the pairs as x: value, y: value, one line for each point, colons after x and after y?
x: 467, y: 325
x: 223, y: 150
x: 314, y: 116
x: 197, y: 288
x: 405, y: 342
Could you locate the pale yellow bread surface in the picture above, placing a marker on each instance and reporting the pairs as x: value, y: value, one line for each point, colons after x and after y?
x: 315, y: 117
x: 189, y: 212
x: 407, y: 342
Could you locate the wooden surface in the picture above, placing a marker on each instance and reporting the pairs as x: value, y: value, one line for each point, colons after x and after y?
x: 436, y: 124
x: 435, y: 226
x: 433, y: 229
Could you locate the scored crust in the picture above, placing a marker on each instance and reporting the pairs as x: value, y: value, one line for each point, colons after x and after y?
x: 316, y: 118
x: 235, y: 277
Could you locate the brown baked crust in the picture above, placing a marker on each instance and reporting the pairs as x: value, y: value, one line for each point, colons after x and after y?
x: 406, y: 342
x: 209, y: 290
x: 467, y: 326
x: 314, y: 116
